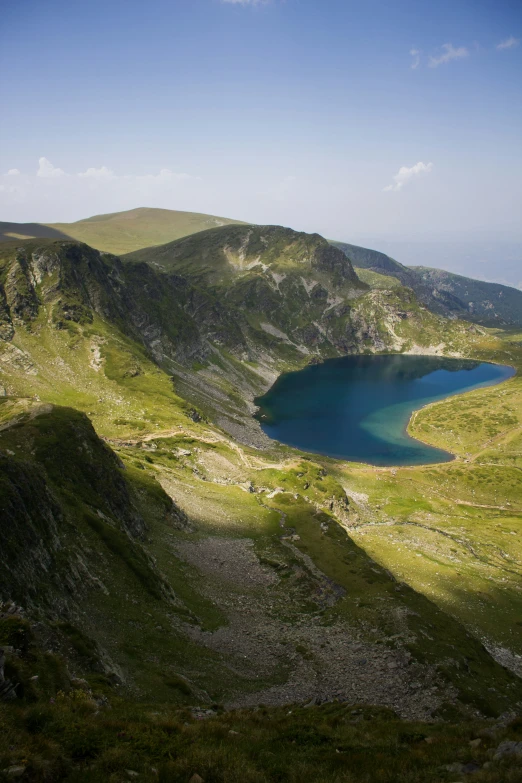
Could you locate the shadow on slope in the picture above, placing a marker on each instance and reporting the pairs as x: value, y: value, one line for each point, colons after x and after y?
x: 12, y: 231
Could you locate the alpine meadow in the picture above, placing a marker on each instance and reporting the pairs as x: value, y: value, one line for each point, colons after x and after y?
x: 260, y: 484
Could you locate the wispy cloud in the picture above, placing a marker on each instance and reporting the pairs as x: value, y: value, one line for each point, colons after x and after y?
x: 93, y: 190
x: 102, y: 173
x: 449, y: 52
x: 415, y: 53
x: 509, y: 43
x: 165, y: 175
x: 47, y: 170
x: 405, y: 174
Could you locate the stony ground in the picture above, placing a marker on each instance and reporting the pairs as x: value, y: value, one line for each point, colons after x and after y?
x: 269, y: 637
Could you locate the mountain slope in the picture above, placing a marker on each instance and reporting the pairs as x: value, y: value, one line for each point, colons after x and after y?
x: 241, y: 304
x: 374, y: 259
x: 490, y: 304
x: 85, y: 529
x: 119, y: 232
x: 226, y: 253
x: 14, y: 231
x: 153, y: 356
x: 138, y: 229
x: 296, y: 296
x: 59, y: 479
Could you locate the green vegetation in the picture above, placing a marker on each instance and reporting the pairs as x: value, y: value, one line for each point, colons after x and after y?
x: 119, y: 232
x: 74, y: 739
x: 376, y: 279
x: 170, y: 556
x: 443, y: 292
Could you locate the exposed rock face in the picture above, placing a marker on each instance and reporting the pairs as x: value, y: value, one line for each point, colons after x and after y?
x: 74, y: 282
x: 263, y: 294
x: 277, y: 286
x: 19, y: 291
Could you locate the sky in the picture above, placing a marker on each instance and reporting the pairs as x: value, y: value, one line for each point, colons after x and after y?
x: 392, y: 124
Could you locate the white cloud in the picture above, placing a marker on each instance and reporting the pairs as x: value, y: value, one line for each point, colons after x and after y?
x: 47, y: 170
x: 44, y: 195
x: 165, y: 175
x: 509, y: 43
x: 405, y: 174
x: 415, y: 53
x: 102, y: 173
x: 449, y: 53
x: 105, y: 174
x: 13, y: 173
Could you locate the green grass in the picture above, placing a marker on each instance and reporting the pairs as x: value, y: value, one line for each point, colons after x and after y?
x: 376, y: 279
x: 451, y: 531
x: 427, y: 539
x: 119, y: 232
x: 73, y: 739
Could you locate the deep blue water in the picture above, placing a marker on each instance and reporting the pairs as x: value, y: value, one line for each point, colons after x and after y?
x: 357, y: 408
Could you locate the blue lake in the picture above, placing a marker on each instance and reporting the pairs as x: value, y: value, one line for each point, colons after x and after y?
x: 357, y: 408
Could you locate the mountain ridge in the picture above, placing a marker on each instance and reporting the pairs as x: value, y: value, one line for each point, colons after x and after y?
x: 452, y: 295
x: 217, y: 566
x: 121, y: 233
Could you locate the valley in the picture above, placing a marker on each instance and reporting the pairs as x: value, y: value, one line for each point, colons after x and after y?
x: 172, y: 554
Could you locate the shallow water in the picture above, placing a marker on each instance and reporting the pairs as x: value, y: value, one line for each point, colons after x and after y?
x: 357, y: 408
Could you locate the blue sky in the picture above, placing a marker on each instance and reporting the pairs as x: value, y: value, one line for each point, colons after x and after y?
x: 301, y: 112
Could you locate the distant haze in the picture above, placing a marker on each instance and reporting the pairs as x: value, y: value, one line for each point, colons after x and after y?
x: 496, y: 260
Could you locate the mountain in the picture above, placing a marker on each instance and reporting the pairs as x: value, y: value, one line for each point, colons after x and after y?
x: 136, y: 230
x: 489, y: 304
x: 162, y: 562
x: 493, y: 259
x: 119, y: 232
x: 241, y: 303
x: 72, y: 488
x: 294, y: 290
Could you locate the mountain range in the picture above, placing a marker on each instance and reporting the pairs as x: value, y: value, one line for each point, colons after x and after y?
x: 159, y: 554
x: 442, y: 292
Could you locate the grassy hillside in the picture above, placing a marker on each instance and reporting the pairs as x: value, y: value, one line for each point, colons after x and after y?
x: 77, y: 738
x: 225, y: 253
x: 172, y: 556
x: 376, y: 279
x: 119, y: 232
